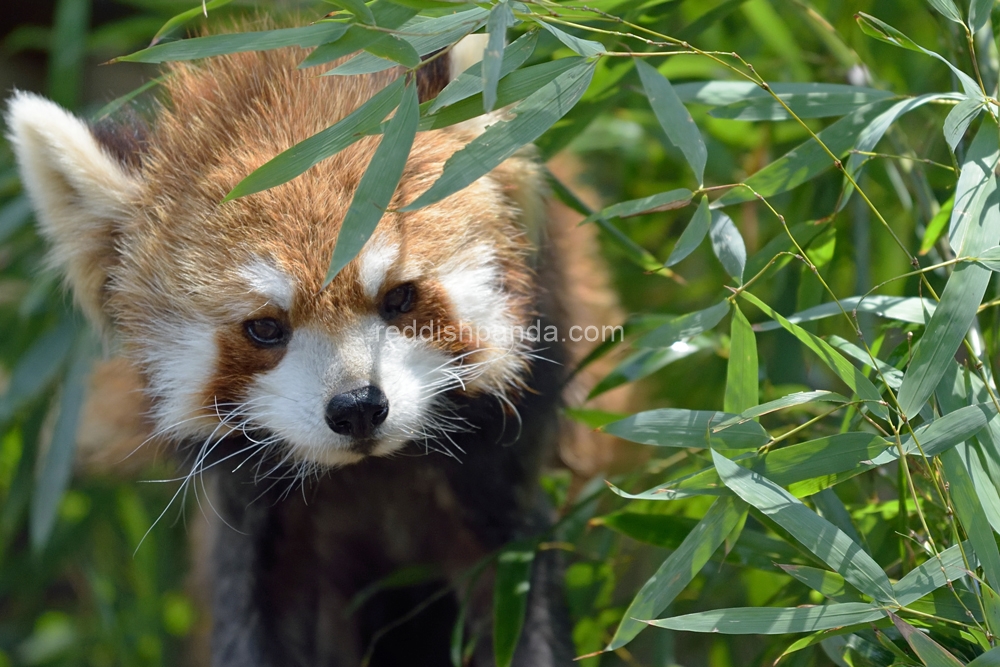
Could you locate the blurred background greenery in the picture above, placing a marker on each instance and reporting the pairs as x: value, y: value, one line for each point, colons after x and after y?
x: 84, y: 592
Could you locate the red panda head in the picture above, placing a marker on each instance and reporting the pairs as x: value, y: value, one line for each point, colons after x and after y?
x: 222, y: 306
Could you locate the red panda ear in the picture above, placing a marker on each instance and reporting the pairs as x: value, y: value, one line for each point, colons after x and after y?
x: 433, y: 76
x: 81, y: 193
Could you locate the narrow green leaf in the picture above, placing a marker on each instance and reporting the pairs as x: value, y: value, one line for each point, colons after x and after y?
x: 217, y: 45
x: 38, y: 367
x: 56, y: 466
x: 741, y: 371
x: 931, y: 653
x: 725, y: 93
x: 830, y: 584
x: 822, y: 538
x: 378, y: 183
x: 182, y: 18
x: 992, y: 657
x: 797, y: 398
x: 680, y: 568
x: 806, y: 161
x: 958, y: 120
x: 970, y: 514
x: 514, y: 87
x: 979, y: 13
x: 510, y: 599
x: 537, y: 113
x: 983, y: 485
x: 793, y: 465
x: 674, y: 118
x: 803, y: 105
x: 990, y: 258
x: 943, y: 433
x: 396, y: 49
x: 931, y: 575
x: 901, y: 308
x: 693, y: 234
x: 117, y: 103
x: 845, y: 370
x: 955, y: 313
x: 684, y: 326
x: 936, y: 227
x: 358, y: 8
x: 991, y: 608
x: 980, y: 163
x: 424, y: 35
x: 470, y: 82
x: 662, y: 201
x: 303, y: 155
x: 14, y: 215
x: 773, y: 620
x: 501, y: 17
x: 646, y: 362
x: 584, y: 47
x: 672, y: 427
x: 947, y: 9
x: 387, y: 15
x: 886, y: 33
x: 727, y: 244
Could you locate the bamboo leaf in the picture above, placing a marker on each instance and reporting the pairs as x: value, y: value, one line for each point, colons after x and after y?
x: 830, y: 584
x: 674, y: 118
x: 470, y: 82
x: 773, y: 620
x: 56, y: 465
x: 979, y: 13
x: 726, y: 93
x: 980, y: 163
x: 684, y: 326
x: 357, y: 7
x: 680, y: 568
x: 904, y: 309
x: 931, y: 575
x: 947, y: 9
x: 303, y: 155
x: 936, y: 227
x: 822, y: 538
x: 790, y: 400
x: 931, y: 653
x: 844, y: 369
x: 510, y: 599
x: 217, y: 45
x: 662, y: 201
x: 646, y: 362
x: 184, y: 17
x: 672, y: 427
x: 989, y: 659
x: 387, y: 15
x: 806, y: 161
x: 584, y: 47
x: 537, y: 113
x: 501, y: 17
x: 960, y: 301
x: 38, y: 367
x: 804, y: 105
x: 378, y: 184
x: 728, y: 246
x: 958, y: 120
x: 741, y: 374
x: 990, y: 258
x: 693, y: 234
x: 970, y: 514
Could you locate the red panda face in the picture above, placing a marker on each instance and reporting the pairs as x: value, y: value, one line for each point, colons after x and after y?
x: 223, y: 307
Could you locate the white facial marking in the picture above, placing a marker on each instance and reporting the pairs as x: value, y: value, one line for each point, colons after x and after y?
x: 180, y: 358
x: 376, y: 259
x: 473, y: 286
x: 290, y: 400
x: 270, y: 282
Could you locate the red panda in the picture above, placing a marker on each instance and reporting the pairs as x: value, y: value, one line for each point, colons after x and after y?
x: 405, y: 398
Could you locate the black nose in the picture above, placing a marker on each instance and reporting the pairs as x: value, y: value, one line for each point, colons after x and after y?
x: 357, y: 413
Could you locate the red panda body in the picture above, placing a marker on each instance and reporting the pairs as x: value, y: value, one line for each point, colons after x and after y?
x: 402, y: 448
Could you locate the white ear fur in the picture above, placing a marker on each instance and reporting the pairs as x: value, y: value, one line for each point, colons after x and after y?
x: 466, y: 53
x: 80, y: 193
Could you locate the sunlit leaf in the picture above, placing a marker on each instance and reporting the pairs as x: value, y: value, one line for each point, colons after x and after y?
x: 663, y: 201
x: 803, y: 105
x: 970, y: 514
x: 773, y: 620
x: 537, y: 113
x: 796, y: 398
x: 947, y: 9
x: 936, y: 227
x: 959, y: 119
x: 980, y: 162
x: 646, y: 362
x: 741, y: 375
x: 470, y: 82
x: 931, y: 575
x: 684, y: 326
x: 830, y: 584
x: 931, y: 653
x: 903, y: 309
x: 387, y: 15
x: 510, y: 599
x: 182, y: 18
x: 217, y: 45
x: 303, y: 155
x: 583, y: 47
x: 728, y: 245
x: 378, y: 183
x: 674, y: 118
x: 680, y: 568
x: 671, y: 427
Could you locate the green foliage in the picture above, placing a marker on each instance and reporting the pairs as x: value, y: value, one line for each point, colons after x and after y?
x: 844, y: 455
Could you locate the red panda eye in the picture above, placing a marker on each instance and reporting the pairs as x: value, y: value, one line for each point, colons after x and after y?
x: 267, y: 332
x: 398, y: 300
